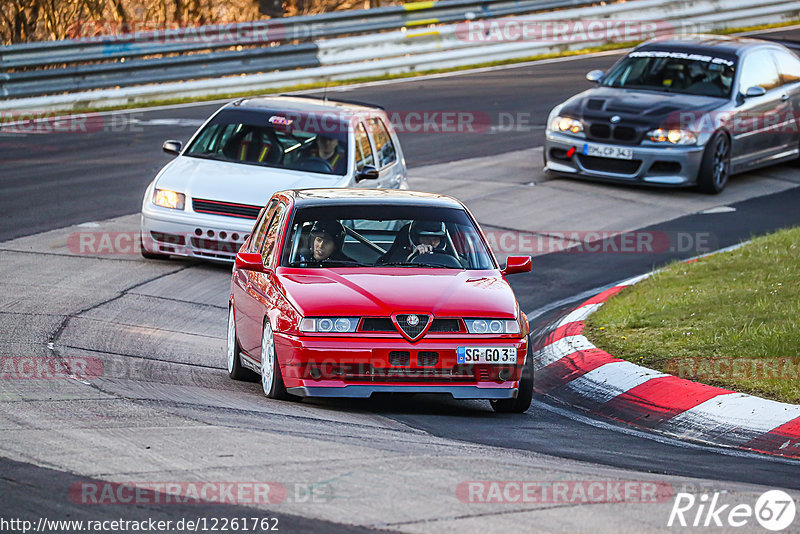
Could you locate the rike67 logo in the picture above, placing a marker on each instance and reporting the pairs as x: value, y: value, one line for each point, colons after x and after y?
x: 774, y: 510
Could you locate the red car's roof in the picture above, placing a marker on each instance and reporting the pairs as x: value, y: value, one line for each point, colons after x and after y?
x: 328, y: 197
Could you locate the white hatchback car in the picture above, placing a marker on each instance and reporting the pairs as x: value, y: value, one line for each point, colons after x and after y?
x: 203, y: 203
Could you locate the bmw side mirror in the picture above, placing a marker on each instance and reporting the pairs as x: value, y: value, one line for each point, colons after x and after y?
x: 755, y: 91
x: 518, y: 264
x: 172, y: 147
x: 250, y: 261
x: 595, y: 76
x: 368, y: 172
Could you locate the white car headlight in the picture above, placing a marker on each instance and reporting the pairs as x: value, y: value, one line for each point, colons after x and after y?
x: 492, y: 326
x: 169, y: 199
x: 566, y: 125
x: 335, y: 325
x: 673, y: 137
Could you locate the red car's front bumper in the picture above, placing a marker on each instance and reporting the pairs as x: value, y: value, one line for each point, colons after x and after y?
x: 350, y: 366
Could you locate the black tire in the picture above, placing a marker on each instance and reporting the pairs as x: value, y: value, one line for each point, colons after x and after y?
x: 525, y: 392
x: 151, y: 255
x: 715, y: 169
x: 235, y: 368
x: 274, y: 387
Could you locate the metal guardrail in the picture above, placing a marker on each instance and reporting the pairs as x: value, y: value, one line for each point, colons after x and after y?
x: 32, y: 69
x: 372, y: 54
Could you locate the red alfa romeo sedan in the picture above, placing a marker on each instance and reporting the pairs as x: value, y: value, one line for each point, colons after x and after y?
x: 348, y: 292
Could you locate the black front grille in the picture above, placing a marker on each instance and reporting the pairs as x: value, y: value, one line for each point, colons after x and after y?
x: 427, y: 358
x: 445, y: 325
x: 624, y: 133
x: 218, y: 246
x: 618, y: 166
x: 600, y: 131
x: 244, y: 211
x: 412, y: 331
x: 400, y: 358
x: 377, y: 324
x: 172, y: 239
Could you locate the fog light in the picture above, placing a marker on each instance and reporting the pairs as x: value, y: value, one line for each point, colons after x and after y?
x: 315, y: 373
x: 504, y: 374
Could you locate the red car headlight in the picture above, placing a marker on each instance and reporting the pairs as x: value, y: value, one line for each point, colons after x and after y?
x: 336, y: 325
x: 492, y: 326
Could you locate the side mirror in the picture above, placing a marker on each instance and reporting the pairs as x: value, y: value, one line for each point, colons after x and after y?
x: 518, y: 264
x: 595, y: 76
x: 368, y: 172
x: 250, y: 261
x: 172, y: 147
x: 755, y: 91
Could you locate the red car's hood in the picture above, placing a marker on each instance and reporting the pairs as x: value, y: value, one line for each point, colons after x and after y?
x: 381, y: 292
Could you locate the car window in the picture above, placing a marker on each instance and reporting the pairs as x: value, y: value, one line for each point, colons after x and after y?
x: 311, y: 142
x: 261, y: 227
x: 383, y: 143
x: 268, y: 248
x: 376, y: 236
x: 674, y: 72
x: 758, y: 70
x: 363, y: 148
x: 788, y: 66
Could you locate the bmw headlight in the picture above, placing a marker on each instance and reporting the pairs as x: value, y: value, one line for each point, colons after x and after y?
x: 492, y: 326
x: 566, y: 125
x: 673, y: 137
x: 334, y: 325
x: 169, y: 199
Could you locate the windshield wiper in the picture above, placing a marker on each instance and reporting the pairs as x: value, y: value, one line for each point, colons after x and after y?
x: 412, y: 264
x: 329, y: 263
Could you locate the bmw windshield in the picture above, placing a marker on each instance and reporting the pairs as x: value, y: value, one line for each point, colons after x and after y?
x: 674, y: 72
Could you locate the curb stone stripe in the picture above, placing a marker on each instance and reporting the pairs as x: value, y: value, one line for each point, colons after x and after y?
x: 570, y: 368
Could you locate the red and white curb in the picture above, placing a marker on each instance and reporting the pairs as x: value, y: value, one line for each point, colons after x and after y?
x: 569, y: 368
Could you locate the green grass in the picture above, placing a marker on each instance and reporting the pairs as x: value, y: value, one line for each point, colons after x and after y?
x: 731, y: 319
x: 276, y: 90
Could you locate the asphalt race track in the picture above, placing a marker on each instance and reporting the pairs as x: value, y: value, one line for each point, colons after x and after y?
x: 164, y: 409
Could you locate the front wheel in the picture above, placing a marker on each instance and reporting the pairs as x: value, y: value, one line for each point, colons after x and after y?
x: 271, y: 379
x: 524, y: 393
x: 235, y: 368
x: 715, y: 167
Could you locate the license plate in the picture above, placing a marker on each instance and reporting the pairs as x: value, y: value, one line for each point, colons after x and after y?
x: 607, y: 151
x: 491, y: 355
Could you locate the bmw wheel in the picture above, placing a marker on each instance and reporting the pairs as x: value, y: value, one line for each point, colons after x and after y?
x: 715, y: 168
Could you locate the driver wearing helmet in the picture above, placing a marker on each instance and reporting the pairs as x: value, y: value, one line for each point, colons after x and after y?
x: 420, y: 237
x: 328, y: 149
x: 326, y: 245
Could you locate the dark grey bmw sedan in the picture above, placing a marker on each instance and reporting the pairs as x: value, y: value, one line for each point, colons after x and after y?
x: 685, y: 111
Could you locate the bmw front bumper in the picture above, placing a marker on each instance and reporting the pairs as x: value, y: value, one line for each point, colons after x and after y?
x: 675, y: 166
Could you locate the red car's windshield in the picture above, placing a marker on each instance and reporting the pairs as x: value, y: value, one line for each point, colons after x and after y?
x: 385, y: 236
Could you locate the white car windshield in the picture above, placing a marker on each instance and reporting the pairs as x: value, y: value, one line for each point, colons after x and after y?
x: 674, y: 72
x: 274, y: 139
x: 385, y: 236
